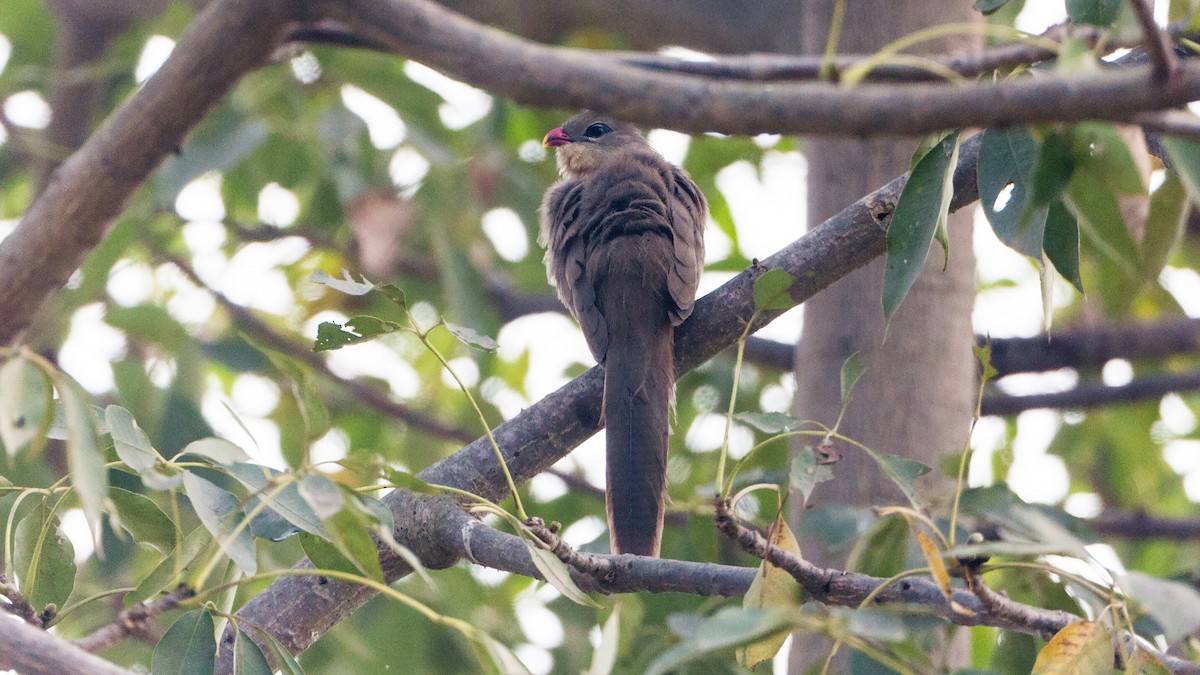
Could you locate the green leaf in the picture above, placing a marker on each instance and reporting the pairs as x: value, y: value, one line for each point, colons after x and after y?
x: 728, y: 628
x: 1061, y: 243
x: 557, y: 575
x: 44, y: 560
x: 322, y: 495
x: 768, y: 422
x: 89, y: 477
x: 605, y: 656
x: 188, y: 648
x: 308, y: 398
x: 177, y: 563
x: 324, y: 555
x: 1095, y: 12
x: 1006, y: 162
x: 331, y: 335
x: 1185, y: 160
x: 923, y: 204
x: 26, y: 402
x: 393, y: 293
x: 471, y: 338
x: 221, y: 514
x: 1175, y: 606
x: 1165, y: 227
x: 1101, y: 146
x: 218, y: 450
x: 806, y: 473
x: 346, y: 284
x: 287, y: 502
x: 142, y: 517
x: 498, y: 657
x: 852, y: 371
x: 131, y: 443
x: 410, y: 482
x: 771, y: 290
x: 281, y: 657
x: 1100, y: 219
x: 989, y: 6
x: 983, y: 354
x: 248, y: 659
x: 903, y: 472
x: 1052, y: 170
x: 350, y: 538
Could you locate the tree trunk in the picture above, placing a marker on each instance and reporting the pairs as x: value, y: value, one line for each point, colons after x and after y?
x: 916, y: 396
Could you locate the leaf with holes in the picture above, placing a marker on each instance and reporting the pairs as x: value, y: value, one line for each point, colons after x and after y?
x: 26, y: 405
x: 472, y: 338
x: 331, y: 335
x: 346, y: 284
x: 1005, y: 174
x: 806, y: 473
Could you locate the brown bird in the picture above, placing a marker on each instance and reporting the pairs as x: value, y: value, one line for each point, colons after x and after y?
x: 624, y: 237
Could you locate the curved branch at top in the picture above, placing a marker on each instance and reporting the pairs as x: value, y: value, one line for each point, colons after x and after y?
x: 534, y: 74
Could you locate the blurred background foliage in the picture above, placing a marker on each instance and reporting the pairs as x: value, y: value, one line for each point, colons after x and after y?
x: 285, y: 180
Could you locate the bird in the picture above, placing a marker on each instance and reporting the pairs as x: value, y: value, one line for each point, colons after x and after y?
x: 623, y: 230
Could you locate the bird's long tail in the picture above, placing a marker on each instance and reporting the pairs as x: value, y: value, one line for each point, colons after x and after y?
x: 638, y: 391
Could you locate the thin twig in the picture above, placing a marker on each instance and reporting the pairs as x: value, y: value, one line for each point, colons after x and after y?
x: 133, y: 620
x: 245, y: 320
x: 1094, y: 395
x: 1156, y: 40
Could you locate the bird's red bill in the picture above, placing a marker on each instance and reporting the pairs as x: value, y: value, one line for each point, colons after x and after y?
x: 555, y: 138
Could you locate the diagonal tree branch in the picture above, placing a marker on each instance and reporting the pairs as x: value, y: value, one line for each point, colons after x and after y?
x: 32, y: 651
x: 72, y: 215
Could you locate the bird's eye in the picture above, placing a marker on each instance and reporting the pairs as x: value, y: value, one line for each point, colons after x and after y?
x: 597, y: 130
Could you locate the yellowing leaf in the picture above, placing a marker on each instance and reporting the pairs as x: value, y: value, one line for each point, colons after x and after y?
x: 772, y: 588
x: 1080, y: 648
x: 937, y: 566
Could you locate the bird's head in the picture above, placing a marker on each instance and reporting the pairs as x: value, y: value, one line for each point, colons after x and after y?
x: 587, y: 139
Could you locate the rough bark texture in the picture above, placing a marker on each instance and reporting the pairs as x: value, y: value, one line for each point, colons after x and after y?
x: 915, y: 399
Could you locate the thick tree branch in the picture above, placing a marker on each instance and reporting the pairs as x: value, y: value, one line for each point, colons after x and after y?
x: 72, y: 214
x: 1094, y: 395
x: 32, y: 651
x: 1145, y: 526
x: 537, y: 75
